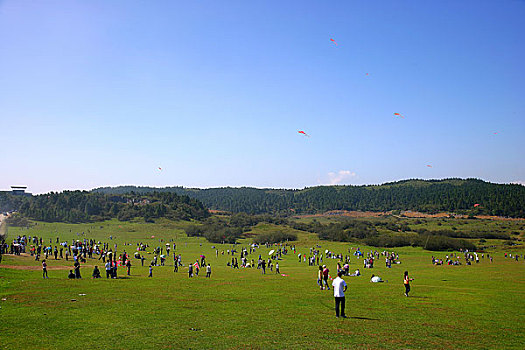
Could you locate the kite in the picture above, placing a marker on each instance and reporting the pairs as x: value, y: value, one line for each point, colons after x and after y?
x: 366, y: 74
x: 160, y: 169
x: 302, y: 132
x: 495, y: 133
x: 428, y: 165
x: 399, y: 115
x: 332, y: 40
x: 476, y: 205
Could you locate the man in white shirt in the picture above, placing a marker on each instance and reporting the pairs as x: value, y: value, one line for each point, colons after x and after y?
x: 108, y: 269
x: 339, y: 286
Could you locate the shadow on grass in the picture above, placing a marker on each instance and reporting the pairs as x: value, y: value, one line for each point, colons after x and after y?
x: 363, y: 318
x: 418, y: 297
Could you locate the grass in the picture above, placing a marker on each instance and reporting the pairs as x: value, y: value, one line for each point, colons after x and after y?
x: 451, y: 307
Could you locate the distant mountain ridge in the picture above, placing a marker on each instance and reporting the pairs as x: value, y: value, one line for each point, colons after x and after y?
x: 430, y: 196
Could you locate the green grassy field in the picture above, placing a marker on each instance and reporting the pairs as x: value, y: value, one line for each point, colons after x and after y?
x: 451, y: 307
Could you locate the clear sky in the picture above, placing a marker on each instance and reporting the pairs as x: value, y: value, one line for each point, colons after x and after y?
x: 97, y: 93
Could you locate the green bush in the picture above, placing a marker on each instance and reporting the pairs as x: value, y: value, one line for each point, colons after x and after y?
x: 274, y: 237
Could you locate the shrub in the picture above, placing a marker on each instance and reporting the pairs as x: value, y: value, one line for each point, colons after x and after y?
x: 274, y: 237
x: 17, y: 220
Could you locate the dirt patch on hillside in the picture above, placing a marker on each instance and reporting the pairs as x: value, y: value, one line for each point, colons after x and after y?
x: 352, y: 214
x: 408, y: 214
x: 213, y: 211
x: 498, y: 218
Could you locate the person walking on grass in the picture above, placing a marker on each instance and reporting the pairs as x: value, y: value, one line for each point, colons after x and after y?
x: 44, y: 269
x: 150, y: 270
x: 339, y: 286
x: 208, y: 270
x: 406, y: 282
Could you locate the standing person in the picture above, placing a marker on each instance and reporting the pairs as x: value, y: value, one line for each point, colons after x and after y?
x: 263, y: 266
x: 190, y: 270
x: 320, y: 277
x: 326, y: 271
x: 44, y: 269
x: 277, y: 267
x: 128, y: 265
x: 108, y: 269
x: 208, y: 270
x: 77, y: 269
x: 406, y: 282
x: 340, y: 286
x: 114, y: 267
x: 150, y: 270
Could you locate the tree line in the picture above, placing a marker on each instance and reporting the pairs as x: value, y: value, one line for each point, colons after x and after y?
x: 83, y: 206
x: 461, y: 196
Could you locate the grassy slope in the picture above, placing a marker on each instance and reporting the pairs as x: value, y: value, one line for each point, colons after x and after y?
x: 452, y: 307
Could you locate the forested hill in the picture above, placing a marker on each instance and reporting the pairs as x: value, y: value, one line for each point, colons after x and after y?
x: 430, y: 196
x: 82, y: 206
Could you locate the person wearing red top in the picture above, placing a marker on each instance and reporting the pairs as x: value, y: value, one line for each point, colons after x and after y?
x: 326, y: 271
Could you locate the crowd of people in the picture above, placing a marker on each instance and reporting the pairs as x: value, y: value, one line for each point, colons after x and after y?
x: 79, y: 250
x: 454, y: 259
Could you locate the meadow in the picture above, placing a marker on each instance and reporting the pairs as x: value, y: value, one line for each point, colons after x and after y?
x: 451, y: 307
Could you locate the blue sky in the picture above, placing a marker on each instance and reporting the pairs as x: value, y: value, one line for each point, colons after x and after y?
x: 96, y: 93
